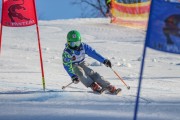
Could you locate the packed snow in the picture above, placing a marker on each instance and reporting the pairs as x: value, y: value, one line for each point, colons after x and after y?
x: 22, y: 96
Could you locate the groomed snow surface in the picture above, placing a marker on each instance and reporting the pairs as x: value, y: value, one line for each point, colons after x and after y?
x: 22, y: 96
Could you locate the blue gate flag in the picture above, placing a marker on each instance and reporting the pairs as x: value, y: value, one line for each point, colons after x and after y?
x: 164, y: 26
x: 163, y: 33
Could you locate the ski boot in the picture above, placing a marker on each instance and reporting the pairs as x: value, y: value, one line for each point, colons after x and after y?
x: 96, y: 88
x: 112, y: 89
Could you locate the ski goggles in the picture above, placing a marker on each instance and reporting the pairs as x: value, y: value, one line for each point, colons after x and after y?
x: 73, y: 44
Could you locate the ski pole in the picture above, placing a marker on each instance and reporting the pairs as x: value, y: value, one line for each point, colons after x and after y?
x: 128, y: 87
x: 63, y: 87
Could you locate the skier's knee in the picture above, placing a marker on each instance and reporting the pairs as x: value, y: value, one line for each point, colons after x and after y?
x: 95, y: 74
x: 80, y: 74
x: 79, y: 71
x: 90, y: 72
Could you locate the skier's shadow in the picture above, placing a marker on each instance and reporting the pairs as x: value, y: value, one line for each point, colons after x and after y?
x: 40, y: 91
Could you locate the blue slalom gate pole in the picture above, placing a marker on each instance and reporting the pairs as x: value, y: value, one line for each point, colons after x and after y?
x: 142, y: 66
x: 139, y: 85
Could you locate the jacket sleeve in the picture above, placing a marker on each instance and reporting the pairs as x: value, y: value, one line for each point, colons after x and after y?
x: 92, y: 53
x: 67, y: 63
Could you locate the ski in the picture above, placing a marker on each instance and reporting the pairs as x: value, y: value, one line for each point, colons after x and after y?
x: 101, y: 91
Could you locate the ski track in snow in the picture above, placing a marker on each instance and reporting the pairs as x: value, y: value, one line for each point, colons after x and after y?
x: 22, y: 97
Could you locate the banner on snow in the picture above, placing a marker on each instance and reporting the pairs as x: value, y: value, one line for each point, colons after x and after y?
x: 18, y: 13
x: 164, y: 26
x: 130, y: 13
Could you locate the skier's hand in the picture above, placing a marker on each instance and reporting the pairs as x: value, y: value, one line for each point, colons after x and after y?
x: 75, y: 79
x: 107, y: 63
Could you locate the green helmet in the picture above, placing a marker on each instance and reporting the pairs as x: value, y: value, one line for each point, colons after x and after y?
x: 108, y: 1
x: 73, y: 36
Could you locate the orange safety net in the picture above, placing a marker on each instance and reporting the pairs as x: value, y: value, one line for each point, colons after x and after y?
x: 133, y: 15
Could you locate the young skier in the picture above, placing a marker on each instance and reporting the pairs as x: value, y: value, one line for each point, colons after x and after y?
x: 75, y: 65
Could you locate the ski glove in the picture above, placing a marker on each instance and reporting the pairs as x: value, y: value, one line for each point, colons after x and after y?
x: 75, y: 79
x: 107, y: 63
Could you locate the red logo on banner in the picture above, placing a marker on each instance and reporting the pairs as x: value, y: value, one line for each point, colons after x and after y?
x: 18, y: 13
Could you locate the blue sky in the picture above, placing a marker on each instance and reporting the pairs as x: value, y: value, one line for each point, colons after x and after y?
x: 57, y: 9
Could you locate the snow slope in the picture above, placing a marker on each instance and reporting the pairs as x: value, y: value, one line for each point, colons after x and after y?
x: 22, y: 97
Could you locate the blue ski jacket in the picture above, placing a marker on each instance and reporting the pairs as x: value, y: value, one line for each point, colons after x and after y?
x: 71, y: 57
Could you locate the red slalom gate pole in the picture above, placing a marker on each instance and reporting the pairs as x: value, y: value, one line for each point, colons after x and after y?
x: 39, y: 45
x: 41, y: 60
x: 1, y: 38
x: 1, y: 27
